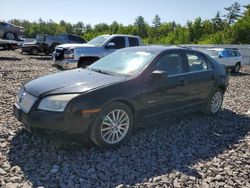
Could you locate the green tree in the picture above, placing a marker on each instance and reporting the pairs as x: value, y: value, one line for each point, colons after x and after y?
x: 241, y: 29
x: 141, y: 26
x: 234, y: 12
x: 218, y: 23
x: 156, y: 21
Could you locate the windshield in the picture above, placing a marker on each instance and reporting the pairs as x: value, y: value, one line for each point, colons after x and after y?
x: 126, y: 62
x: 98, y: 41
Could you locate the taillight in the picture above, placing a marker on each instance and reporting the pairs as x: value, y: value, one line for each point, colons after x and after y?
x: 69, y: 54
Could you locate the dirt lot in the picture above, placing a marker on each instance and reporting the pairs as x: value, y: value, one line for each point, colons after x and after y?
x: 191, y: 151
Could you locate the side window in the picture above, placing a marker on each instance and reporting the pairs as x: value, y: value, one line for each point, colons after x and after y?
x: 80, y: 40
x: 3, y: 24
x: 76, y: 39
x: 171, y: 63
x: 231, y: 54
x: 224, y: 54
x: 119, y: 42
x: 238, y: 53
x: 196, y: 62
x: 133, y: 41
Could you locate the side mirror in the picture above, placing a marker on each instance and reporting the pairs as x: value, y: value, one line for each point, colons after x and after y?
x: 110, y: 45
x: 159, y: 75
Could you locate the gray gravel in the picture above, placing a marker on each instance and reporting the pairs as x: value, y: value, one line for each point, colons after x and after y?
x: 191, y: 151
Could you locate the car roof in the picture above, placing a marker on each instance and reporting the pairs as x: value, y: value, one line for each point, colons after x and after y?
x: 215, y: 49
x: 222, y: 49
x: 158, y: 48
x: 118, y: 35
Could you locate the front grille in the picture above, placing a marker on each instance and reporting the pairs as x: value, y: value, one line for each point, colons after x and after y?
x: 25, y: 100
x: 59, y: 54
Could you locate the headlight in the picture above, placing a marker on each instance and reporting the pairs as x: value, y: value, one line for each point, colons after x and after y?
x: 55, y: 103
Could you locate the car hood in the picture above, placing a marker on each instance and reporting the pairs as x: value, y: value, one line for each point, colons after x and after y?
x: 72, y: 81
x: 29, y: 43
x: 73, y: 45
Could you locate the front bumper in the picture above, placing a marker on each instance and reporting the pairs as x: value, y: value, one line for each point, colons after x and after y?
x: 67, y: 64
x: 60, y: 126
x: 25, y: 48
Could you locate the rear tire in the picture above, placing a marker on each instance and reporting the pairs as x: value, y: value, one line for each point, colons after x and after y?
x: 9, y: 36
x: 214, y: 103
x: 112, y: 126
x: 236, y: 68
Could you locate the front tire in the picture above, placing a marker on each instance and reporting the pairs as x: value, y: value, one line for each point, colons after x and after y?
x: 214, y: 103
x: 113, y: 125
x: 34, y: 51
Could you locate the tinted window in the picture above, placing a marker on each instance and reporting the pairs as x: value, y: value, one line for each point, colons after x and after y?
x: 119, y: 42
x: 224, y: 54
x: 196, y: 62
x: 238, y: 53
x: 133, y: 41
x: 232, y: 54
x: 62, y: 36
x: 76, y: 39
x: 3, y: 24
x: 171, y: 63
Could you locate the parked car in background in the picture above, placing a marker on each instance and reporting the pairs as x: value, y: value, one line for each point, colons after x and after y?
x: 9, y: 31
x: 70, y: 56
x: 47, y: 43
x: 230, y: 57
x: 32, y: 48
x: 121, y: 91
x: 8, y: 44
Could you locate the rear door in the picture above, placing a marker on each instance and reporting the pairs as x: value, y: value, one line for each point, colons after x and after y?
x: 200, y: 77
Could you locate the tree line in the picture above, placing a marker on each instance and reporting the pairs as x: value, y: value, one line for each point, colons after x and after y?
x: 231, y: 28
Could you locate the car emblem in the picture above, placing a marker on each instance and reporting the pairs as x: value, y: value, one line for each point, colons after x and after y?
x: 21, y: 98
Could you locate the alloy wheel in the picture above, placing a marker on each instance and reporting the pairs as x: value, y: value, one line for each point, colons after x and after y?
x: 216, y: 102
x: 10, y: 36
x: 115, y: 126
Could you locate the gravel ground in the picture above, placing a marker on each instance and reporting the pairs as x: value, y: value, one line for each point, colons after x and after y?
x: 191, y: 151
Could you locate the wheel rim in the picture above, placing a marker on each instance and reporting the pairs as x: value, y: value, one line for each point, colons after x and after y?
x: 10, y: 36
x: 237, y: 68
x: 34, y: 51
x: 216, y: 102
x: 115, y: 126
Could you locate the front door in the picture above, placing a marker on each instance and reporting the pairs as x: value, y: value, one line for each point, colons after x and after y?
x: 171, y: 93
x: 118, y: 42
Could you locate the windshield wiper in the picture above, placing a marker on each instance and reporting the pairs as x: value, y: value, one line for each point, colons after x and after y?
x: 99, y: 71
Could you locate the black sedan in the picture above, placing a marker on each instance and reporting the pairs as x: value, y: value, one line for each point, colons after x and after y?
x: 107, y: 100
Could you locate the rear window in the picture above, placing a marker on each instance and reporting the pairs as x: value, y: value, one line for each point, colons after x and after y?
x: 76, y: 39
x: 3, y: 24
x: 133, y: 41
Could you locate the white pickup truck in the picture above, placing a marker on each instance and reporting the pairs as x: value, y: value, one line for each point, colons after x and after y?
x: 230, y: 57
x: 69, y: 56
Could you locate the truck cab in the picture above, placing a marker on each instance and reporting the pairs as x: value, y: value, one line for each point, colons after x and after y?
x: 70, y: 56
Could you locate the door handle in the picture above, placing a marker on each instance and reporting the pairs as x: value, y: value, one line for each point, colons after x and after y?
x: 182, y: 82
x: 212, y: 77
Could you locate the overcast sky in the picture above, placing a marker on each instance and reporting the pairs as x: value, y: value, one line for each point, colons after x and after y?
x: 125, y: 12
